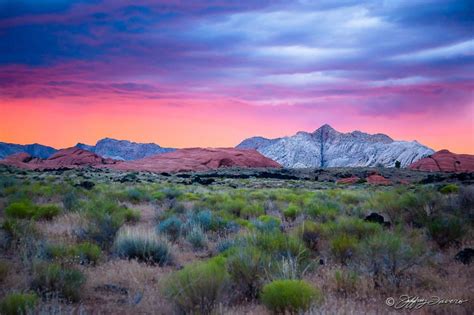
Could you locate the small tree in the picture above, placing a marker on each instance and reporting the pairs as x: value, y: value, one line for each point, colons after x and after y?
x: 398, y: 164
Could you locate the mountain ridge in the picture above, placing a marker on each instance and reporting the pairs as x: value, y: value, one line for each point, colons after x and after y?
x: 327, y: 147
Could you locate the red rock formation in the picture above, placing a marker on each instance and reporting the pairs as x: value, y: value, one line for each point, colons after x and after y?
x: 376, y: 179
x: 445, y: 161
x: 198, y: 159
x: 348, y: 180
x: 66, y: 158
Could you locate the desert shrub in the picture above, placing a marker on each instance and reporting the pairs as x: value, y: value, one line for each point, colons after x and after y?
x: 466, y: 199
x: 354, y: 227
x: 46, y: 212
x: 351, y: 197
x: 171, y: 227
x: 196, y: 237
x: 224, y: 245
x: 385, y: 256
x: 311, y: 239
x: 142, y: 245
x: 83, y: 253
x: 343, y: 247
x: 266, y: 223
x: 291, y: 212
x: 445, y: 229
x: 171, y: 192
x: 18, y: 304
x: 323, y: 210
x: 51, y: 280
x: 158, y: 195
x: 70, y: 201
x: 246, y: 267
x: 136, y: 195
x: 293, y: 296
x: 204, y: 219
x: 198, y: 287
x: 234, y: 206
x: 345, y: 281
x: 449, y: 189
x: 21, y: 210
x: 278, y: 244
x: 252, y: 211
x: 4, y: 268
x: 102, y: 230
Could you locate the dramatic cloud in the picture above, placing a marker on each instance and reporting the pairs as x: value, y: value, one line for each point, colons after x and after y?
x: 372, y: 60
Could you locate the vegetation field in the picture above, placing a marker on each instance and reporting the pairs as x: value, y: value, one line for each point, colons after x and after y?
x: 102, y: 242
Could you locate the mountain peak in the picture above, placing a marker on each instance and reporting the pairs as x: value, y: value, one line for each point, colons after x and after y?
x: 325, y: 128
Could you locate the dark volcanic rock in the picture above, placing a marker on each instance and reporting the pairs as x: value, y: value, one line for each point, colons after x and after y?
x: 86, y: 184
x: 465, y: 256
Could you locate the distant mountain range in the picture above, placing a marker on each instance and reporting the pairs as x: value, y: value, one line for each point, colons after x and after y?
x: 326, y: 147
x: 36, y: 150
x: 123, y: 149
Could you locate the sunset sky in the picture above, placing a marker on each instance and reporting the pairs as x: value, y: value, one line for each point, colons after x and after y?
x: 211, y: 73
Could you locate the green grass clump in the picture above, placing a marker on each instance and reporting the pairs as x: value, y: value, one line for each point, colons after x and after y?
x: 27, y: 210
x: 52, y: 280
x: 83, y: 253
x: 252, y: 211
x: 198, y: 288
x: 449, y: 189
x: 292, y: 296
x: 142, y: 245
x: 291, y: 212
x: 445, y: 229
x: 343, y: 247
x: 18, y: 304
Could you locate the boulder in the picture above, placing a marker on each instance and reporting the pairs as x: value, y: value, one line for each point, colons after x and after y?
x: 198, y: 159
x: 348, y: 180
x: 376, y: 179
x: 465, y: 256
x: 445, y: 161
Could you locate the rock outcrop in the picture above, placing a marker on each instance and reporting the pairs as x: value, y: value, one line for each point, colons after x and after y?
x: 198, y: 159
x: 445, y: 161
x: 327, y: 147
x: 35, y: 150
x: 65, y: 158
x: 123, y: 149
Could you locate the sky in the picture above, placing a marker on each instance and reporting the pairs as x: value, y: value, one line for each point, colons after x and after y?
x: 212, y: 73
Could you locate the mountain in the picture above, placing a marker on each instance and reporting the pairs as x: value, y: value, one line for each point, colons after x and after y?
x: 65, y: 158
x: 123, y: 149
x: 36, y: 150
x: 326, y: 147
x: 198, y: 159
x: 445, y: 161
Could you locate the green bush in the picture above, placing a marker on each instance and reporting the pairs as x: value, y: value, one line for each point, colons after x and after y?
x: 51, y: 280
x: 246, y: 267
x: 83, y: 253
x: 197, y: 288
x: 234, y: 206
x: 385, y: 256
x: 46, y: 212
x: 18, y: 304
x: 252, y: 211
x: 266, y: 223
x: 446, y: 229
x: 293, y: 296
x: 279, y: 244
x: 343, y: 247
x: 142, y: 245
x: 27, y: 210
x: 20, y: 210
x: 323, y: 210
x: 449, y: 189
x: 291, y: 212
